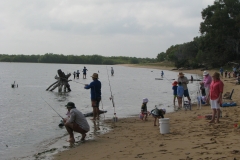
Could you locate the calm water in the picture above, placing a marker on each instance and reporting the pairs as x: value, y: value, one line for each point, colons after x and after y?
x: 29, y: 125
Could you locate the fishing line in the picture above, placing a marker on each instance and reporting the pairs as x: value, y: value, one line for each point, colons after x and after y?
x: 53, y: 109
x: 79, y: 82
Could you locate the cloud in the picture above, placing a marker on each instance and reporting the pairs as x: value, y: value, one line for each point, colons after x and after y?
x: 137, y: 28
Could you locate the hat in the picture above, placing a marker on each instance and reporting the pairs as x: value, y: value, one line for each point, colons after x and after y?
x: 175, y: 83
x: 70, y: 105
x: 205, y: 73
x: 145, y: 100
x: 95, y: 75
x: 180, y: 74
x: 164, y: 110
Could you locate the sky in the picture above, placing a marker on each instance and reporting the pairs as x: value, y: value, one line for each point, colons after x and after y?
x: 133, y: 28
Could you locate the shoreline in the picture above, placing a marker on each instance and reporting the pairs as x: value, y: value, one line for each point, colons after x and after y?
x: 190, y: 135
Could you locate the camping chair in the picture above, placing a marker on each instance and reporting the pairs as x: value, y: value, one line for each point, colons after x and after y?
x: 228, y: 97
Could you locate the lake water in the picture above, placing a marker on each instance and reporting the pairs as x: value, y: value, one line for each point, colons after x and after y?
x: 30, y: 126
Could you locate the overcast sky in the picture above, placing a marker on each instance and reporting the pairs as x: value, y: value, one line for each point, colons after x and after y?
x: 135, y: 28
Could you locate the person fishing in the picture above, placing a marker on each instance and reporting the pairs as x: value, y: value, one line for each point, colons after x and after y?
x: 184, y: 81
x: 112, y: 71
x: 162, y: 73
x: 95, y: 86
x: 75, y: 122
x: 84, y: 72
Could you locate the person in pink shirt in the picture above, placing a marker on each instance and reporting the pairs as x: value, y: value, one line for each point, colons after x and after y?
x: 215, y: 96
x: 207, y: 81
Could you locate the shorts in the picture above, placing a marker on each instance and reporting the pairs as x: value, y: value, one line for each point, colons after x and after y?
x: 214, y: 104
x: 95, y: 102
x: 78, y: 129
x: 185, y: 93
x: 84, y: 73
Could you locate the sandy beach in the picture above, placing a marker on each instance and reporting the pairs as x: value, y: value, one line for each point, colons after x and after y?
x: 190, y: 137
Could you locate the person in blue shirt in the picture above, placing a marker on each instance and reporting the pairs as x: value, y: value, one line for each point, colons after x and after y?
x: 84, y: 72
x: 174, y: 88
x: 95, y: 87
x: 180, y: 92
x: 221, y: 71
x: 162, y: 74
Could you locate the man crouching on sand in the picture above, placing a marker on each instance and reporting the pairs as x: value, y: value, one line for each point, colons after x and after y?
x: 76, y: 122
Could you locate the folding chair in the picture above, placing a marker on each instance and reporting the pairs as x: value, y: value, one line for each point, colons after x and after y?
x: 228, y: 97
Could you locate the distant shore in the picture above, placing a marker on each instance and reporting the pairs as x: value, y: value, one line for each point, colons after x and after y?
x: 190, y: 137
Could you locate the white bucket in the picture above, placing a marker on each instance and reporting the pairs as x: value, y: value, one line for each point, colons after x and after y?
x: 164, y: 125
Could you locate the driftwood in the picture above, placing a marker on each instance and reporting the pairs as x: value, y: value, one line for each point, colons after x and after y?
x: 62, y: 82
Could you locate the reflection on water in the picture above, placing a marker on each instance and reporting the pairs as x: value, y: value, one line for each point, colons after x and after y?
x: 28, y: 124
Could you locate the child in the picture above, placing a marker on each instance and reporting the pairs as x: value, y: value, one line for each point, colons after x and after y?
x: 144, y: 109
x: 174, y: 88
x: 226, y: 74
x: 180, y: 92
x: 158, y: 113
x: 202, y: 89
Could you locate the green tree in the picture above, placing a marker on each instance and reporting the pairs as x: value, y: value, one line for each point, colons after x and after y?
x: 161, y: 56
x: 221, y: 31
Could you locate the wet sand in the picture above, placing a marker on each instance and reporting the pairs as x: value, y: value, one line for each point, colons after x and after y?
x: 190, y: 137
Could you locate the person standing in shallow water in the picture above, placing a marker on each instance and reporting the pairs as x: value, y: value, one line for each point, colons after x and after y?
x: 84, y: 72
x: 112, y: 71
x: 75, y: 122
x: 95, y: 87
x: 215, y: 96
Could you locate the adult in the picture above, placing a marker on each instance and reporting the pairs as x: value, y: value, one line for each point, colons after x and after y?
x: 76, y: 122
x: 191, y: 79
x: 77, y: 74
x: 74, y: 74
x: 221, y: 71
x: 112, y: 71
x: 215, y: 96
x: 207, y: 81
x: 95, y: 86
x: 162, y: 73
x: 184, y: 81
x: 84, y: 72
x: 234, y: 71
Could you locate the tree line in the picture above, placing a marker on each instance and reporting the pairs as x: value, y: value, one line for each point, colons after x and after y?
x: 74, y: 59
x: 219, y: 40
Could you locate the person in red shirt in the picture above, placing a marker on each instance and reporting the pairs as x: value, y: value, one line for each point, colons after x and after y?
x: 215, y: 96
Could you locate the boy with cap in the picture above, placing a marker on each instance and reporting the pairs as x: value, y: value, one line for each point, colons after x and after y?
x: 174, y: 88
x: 76, y: 122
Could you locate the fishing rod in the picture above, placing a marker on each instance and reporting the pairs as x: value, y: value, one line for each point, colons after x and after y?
x: 110, y: 89
x: 111, y: 98
x: 53, y: 109
x: 168, y: 79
